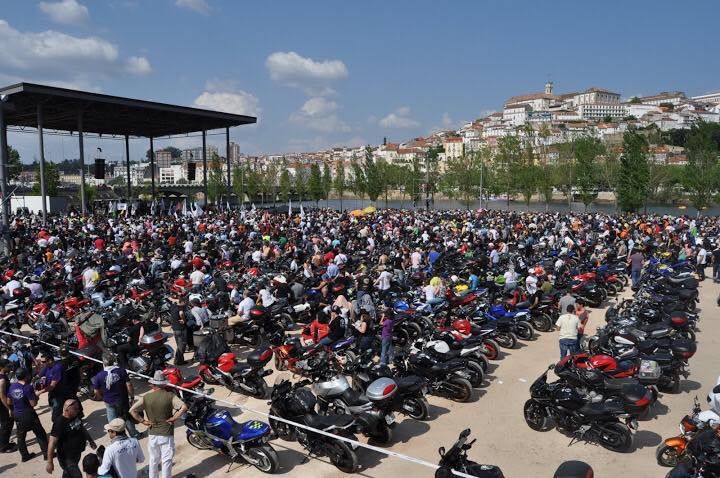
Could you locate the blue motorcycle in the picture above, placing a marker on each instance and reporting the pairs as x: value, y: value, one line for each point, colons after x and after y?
x: 520, y: 317
x: 209, y: 428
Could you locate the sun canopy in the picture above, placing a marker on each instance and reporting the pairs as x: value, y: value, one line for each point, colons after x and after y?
x: 106, y: 114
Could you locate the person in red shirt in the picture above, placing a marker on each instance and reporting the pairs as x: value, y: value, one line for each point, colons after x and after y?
x: 99, y: 244
x: 329, y: 256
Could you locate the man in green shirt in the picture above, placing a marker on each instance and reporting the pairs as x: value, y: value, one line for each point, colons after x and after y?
x: 162, y: 409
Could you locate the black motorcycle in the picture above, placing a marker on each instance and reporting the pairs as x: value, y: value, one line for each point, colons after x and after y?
x: 702, y: 458
x: 296, y: 403
x: 411, y: 390
x: 456, y: 459
x: 597, y: 422
x: 448, y: 379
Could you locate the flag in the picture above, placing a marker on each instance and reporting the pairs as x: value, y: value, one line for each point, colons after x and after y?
x: 290, y: 208
x: 184, y: 208
x: 302, y: 213
x: 227, y: 203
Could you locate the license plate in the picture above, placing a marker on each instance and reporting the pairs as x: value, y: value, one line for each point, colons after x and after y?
x: 390, y: 418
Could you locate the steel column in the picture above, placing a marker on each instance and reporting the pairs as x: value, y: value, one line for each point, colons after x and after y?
x: 152, y: 167
x: 227, y: 152
x: 41, y: 152
x: 127, y: 170
x: 204, y: 146
x: 81, y: 145
x: 4, y: 158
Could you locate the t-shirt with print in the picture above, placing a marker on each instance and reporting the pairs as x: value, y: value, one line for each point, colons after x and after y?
x: 20, y: 396
x: 70, y: 435
x: 115, y: 394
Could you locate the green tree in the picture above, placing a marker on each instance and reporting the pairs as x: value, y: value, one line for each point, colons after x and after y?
x: 252, y: 183
x: 373, y: 176
x: 526, y: 173
x: 215, y: 185
x: 285, y: 184
x: 268, y: 182
x: 547, y: 178
x: 327, y: 183
x: 634, y: 172
x: 357, y: 185
x: 702, y: 170
x: 14, y: 165
x: 508, y: 160
x: 301, y: 183
x: 565, y: 172
x: 461, y: 180
x: 315, y: 186
x: 587, y: 152
x: 413, y: 178
x: 52, y: 180
x: 339, y: 182
x: 238, y: 183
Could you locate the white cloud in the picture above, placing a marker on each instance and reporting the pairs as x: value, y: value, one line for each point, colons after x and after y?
x: 67, y: 12
x: 319, y: 114
x: 447, y: 121
x: 138, y: 65
x: 62, y: 57
x: 227, y: 97
x: 295, y: 70
x: 199, y: 6
x: 400, y: 118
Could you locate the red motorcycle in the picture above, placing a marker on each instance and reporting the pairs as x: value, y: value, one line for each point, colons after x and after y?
x: 194, y: 383
x: 240, y: 377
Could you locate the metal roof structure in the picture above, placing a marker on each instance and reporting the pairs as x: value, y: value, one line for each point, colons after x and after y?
x: 107, y: 114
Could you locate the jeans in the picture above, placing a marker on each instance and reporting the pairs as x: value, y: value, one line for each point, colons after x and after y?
x: 716, y: 270
x: 69, y: 465
x: 436, y: 301
x: 29, y: 422
x: 387, y: 352
x: 57, y: 405
x: 567, y: 347
x: 325, y: 341
x: 701, y: 271
x: 162, y: 451
x: 118, y: 411
x: 635, y: 276
x: 6, y: 426
x: 181, y: 342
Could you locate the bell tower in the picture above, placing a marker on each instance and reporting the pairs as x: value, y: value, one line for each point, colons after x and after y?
x: 549, y: 88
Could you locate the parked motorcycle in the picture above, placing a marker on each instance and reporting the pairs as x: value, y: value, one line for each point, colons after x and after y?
x: 295, y: 402
x: 247, y: 378
x: 211, y: 429
x: 456, y: 459
x: 672, y: 450
x: 597, y: 422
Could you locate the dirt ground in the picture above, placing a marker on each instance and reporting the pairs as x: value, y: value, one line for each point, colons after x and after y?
x: 494, y: 415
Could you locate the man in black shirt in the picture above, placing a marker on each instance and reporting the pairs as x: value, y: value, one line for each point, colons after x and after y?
x: 69, y: 437
x: 716, y: 260
x: 130, y: 348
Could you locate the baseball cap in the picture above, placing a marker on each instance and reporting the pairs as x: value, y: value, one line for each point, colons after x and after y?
x: 116, y: 425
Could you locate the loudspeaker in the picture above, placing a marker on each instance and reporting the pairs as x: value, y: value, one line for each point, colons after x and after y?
x: 99, y: 169
x: 191, y: 171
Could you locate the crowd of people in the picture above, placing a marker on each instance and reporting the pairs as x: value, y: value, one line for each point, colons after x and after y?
x: 317, y: 248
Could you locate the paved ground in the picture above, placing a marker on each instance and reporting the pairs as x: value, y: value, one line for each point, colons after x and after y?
x: 494, y: 415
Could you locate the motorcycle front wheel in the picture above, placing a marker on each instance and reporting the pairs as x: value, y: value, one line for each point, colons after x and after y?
x: 507, y: 340
x: 535, y: 416
x: 490, y: 349
x: 343, y: 457
x: 477, y: 375
x: 525, y: 331
x: 461, y: 389
x: 542, y: 322
x: 666, y: 455
x: 417, y: 408
x: 381, y: 436
x: 618, y: 438
x: 199, y: 442
x: 264, y: 458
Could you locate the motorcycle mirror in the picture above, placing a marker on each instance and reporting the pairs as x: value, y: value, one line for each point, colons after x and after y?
x: 441, y: 451
x: 465, y: 433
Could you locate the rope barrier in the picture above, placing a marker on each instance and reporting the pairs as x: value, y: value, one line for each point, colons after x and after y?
x: 356, y: 443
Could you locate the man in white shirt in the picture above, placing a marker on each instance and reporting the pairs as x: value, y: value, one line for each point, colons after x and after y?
x: 11, y: 286
x: 188, y: 246
x: 383, y: 282
x: 123, y: 454
x: 701, y: 261
x: 197, y: 277
x: 243, y: 308
x: 90, y: 279
x: 415, y: 259
x: 569, y: 324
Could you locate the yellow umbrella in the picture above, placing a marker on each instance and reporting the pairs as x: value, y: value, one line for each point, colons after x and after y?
x: 369, y: 209
x: 357, y: 213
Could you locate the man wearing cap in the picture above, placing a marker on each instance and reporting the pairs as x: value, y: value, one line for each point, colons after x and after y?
x: 123, y: 454
x: 69, y: 437
x: 163, y: 408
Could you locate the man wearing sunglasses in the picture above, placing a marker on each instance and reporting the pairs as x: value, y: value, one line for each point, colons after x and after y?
x: 51, y: 382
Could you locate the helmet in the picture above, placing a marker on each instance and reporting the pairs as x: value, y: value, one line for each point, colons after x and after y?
x: 463, y: 326
x: 439, y: 346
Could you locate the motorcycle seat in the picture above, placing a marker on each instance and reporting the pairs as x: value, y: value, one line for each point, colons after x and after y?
x: 660, y: 357
x: 353, y: 398
x: 325, y: 422
x: 598, y: 409
x: 409, y: 383
x: 191, y: 382
x: 241, y: 368
x: 617, y: 384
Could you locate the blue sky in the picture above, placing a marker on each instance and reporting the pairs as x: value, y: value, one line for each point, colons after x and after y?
x: 322, y: 73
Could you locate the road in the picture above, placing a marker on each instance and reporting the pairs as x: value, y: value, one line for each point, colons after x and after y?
x: 494, y: 415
